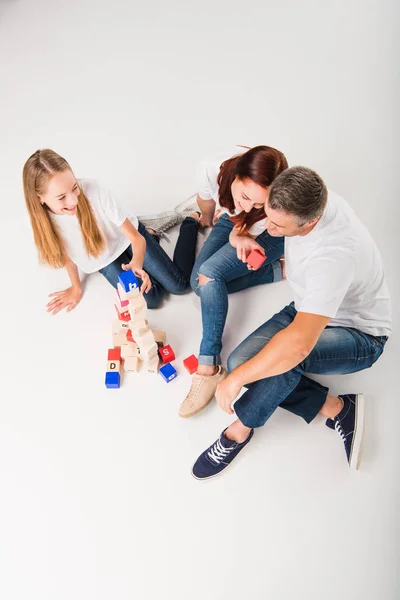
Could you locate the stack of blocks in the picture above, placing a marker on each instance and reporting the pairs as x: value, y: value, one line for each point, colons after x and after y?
x: 133, y: 340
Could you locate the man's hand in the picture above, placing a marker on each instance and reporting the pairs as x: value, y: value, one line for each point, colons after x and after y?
x: 68, y: 299
x: 139, y: 272
x: 244, y: 246
x: 227, y: 392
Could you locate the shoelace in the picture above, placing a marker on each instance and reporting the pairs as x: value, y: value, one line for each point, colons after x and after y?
x: 340, y: 431
x: 218, y: 452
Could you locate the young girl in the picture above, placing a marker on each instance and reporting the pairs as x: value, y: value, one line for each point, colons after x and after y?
x: 78, y: 224
x: 236, y: 181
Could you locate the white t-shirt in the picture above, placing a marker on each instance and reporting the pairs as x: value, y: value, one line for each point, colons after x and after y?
x: 207, y: 186
x: 109, y: 217
x: 336, y: 271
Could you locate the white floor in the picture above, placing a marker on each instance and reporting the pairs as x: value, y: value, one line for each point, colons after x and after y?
x: 96, y: 497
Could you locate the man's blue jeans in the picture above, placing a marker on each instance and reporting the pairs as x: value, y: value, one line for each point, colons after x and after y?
x: 218, y: 261
x: 339, y: 350
x: 166, y: 275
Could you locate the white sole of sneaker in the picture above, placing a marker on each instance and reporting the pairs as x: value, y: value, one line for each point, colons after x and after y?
x: 356, y: 448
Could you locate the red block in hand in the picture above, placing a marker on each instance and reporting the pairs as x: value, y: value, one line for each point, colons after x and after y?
x: 123, y: 316
x: 166, y: 354
x: 255, y: 259
x: 190, y: 363
x: 114, y: 354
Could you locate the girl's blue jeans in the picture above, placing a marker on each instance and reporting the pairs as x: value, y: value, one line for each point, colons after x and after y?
x: 166, y: 275
x: 339, y: 350
x: 218, y: 261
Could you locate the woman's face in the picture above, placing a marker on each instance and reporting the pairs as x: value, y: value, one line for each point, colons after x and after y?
x: 62, y: 194
x: 247, y: 195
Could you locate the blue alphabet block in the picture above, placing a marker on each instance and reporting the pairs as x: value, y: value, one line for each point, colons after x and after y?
x: 168, y: 372
x: 128, y: 280
x: 113, y: 379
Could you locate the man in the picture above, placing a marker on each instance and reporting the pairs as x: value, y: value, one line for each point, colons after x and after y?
x: 339, y: 322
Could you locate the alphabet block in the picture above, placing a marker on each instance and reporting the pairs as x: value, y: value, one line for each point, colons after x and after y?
x: 119, y: 339
x: 113, y: 380
x: 168, y: 373
x: 191, y: 363
x: 120, y: 326
x: 160, y: 337
x: 153, y: 364
x: 166, y: 354
x: 139, y: 327
x: 113, y: 365
x: 114, y: 354
x: 129, y: 336
x: 131, y: 363
x: 121, y: 293
x: 120, y: 304
x: 255, y: 259
x: 137, y: 304
x: 139, y: 315
x: 130, y: 349
x: 128, y: 281
x: 123, y: 316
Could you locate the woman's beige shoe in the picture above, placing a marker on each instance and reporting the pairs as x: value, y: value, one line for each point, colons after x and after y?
x: 201, y: 392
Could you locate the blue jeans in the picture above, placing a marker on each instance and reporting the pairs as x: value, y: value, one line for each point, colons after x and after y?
x: 339, y: 350
x: 166, y: 275
x: 218, y: 261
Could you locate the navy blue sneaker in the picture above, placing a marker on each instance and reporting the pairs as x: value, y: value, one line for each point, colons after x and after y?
x: 218, y: 456
x: 350, y: 425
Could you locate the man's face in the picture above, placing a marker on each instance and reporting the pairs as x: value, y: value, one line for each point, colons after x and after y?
x: 279, y: 223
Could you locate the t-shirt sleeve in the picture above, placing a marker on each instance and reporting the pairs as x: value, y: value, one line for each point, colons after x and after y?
x: 206, y: 180
x: 111, y: 207
x: 328, y: 279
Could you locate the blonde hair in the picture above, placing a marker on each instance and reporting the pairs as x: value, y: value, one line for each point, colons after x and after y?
x: 38, y: 170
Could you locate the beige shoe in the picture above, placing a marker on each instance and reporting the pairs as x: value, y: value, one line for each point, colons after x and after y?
x: 201, y: 392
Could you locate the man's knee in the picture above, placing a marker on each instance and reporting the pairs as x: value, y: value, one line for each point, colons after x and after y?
x: 235, y: 359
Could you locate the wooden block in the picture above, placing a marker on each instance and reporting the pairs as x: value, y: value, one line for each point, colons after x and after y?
x: 191, y: 363
x: 119, y: 339
x: 121, y: 293
x: 120, y: 304
x: 149, y: 352
x: 146, y: 339
x: 139, y: 315
x: 153, y: 365
x: 160, y: 337
x: 123, y: 316
x: 119, y: 326
x: 130, y: 349
x: 128, y: 281
x: 139, y: 327
x: 129, y: 336
x: 114, y: 354
x: 131, y: 363
x: 167, y: 354
x: 113, y: 365
x: 133, y: 293
x: 137, y: 304
x: 168, y: 373
x: 255, y: 259
x: 113, y: 380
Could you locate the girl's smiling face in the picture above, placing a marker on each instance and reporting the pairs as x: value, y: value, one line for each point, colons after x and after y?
x: 62, y: 194
x: 248, y: 195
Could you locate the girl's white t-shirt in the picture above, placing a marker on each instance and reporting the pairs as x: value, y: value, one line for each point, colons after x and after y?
x: 109, y: 217
x: 207, y: 186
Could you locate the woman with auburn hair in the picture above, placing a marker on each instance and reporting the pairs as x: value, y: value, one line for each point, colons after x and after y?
x: 237, y: 180
x: 78, y: 224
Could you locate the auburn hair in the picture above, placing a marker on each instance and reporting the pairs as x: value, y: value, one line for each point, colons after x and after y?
x: 37, y: 172
x: 261, y: 164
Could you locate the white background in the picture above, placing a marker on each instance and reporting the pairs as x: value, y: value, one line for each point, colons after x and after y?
x: 96, y: 497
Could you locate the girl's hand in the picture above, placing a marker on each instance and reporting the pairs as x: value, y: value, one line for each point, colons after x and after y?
x: 68, y: 299
x: 206, y: 221
x: 139, y: 272
x: 217, y: 215
x: 245, y: 245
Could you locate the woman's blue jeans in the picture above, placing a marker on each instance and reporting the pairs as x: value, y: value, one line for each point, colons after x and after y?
x: 166, y: 275
x: 339, y: 350
x: 218, y: 261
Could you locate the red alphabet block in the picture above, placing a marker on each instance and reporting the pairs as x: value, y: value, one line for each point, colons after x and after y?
x: 123, y: 316
x: 255, y: 259
x: 166, y: 354
x: 190, y: 363
x: 129, y: 336
x: 114, y: 354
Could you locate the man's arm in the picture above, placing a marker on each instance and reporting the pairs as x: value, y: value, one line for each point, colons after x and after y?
x: 284, y: 352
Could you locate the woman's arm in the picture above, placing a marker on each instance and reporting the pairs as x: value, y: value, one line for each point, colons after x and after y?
x: 138, y: 251
x: 244, y: 244
x: 70, y: 297
x: 207, y: 208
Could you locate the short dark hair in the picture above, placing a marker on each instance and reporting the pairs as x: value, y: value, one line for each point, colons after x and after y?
x: 299, y: 191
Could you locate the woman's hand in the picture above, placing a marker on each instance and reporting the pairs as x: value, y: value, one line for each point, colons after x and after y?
x: 245, y: 245
x: 227, y: 392
x: 68, y: 299
x: 139, y: 272
x: 217, y: 215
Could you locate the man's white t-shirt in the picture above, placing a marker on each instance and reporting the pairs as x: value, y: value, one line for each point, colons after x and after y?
x: 109, y: 218
x: 207, y: 186
x: 336, y: 271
